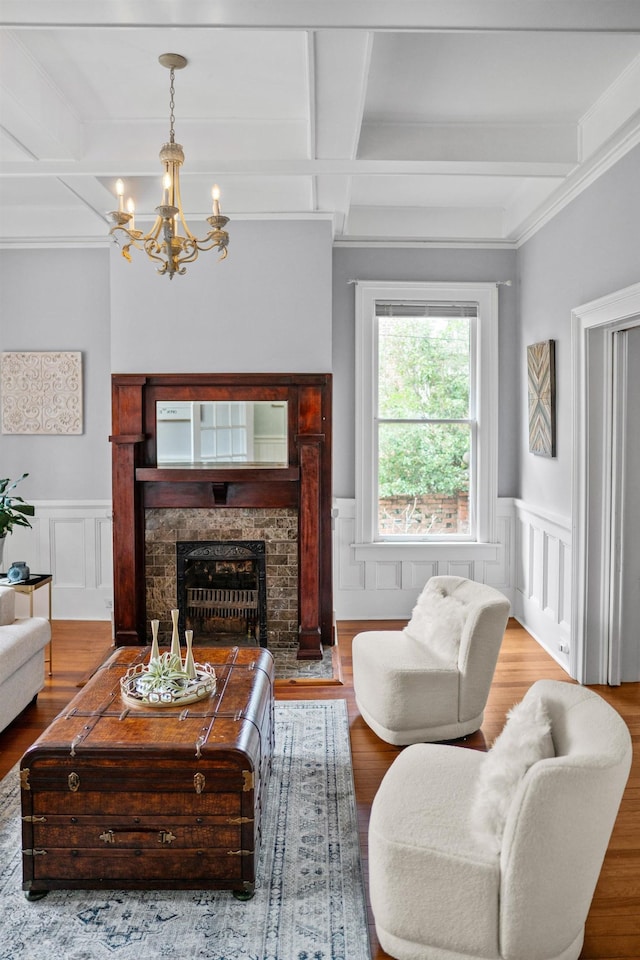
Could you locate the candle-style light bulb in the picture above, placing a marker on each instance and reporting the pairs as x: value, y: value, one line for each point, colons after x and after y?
x: 215, y: 196
x: 120, y: 194
x: 131, y: 208
x: 166, y: 186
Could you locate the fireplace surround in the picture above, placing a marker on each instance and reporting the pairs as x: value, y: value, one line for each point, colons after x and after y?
x: 302, y: 485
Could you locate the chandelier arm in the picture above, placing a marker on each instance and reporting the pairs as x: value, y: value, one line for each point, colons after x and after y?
x: 217, y: 238
x: 154, y: 232
x: 153, y: 249
x: 190, y: 252
x: 178, y: 203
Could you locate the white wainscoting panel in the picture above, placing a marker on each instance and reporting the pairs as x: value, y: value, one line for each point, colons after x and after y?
x: 387, y: 589
x: 72, y: 541
x: 530, y: 563
x: 543, y: 578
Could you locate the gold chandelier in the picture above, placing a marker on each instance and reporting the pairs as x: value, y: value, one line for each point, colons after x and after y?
x: 169, y: 241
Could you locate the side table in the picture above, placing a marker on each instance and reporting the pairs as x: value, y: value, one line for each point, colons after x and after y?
x: 35, y: 581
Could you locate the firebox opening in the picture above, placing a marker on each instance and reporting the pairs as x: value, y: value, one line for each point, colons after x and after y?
x: 222, y: 591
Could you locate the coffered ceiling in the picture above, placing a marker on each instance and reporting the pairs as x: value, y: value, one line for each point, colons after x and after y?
x: 406, y: 121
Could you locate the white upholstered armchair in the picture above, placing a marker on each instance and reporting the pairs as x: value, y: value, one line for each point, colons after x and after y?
x: 496, y: 855
x: 431, y: 680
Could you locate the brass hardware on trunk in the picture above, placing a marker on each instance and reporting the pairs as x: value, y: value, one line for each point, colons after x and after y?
x: 248, y: 780
x: 239, y: 819
x: 34, y: 819
x: 34, y: 853
x: 74, y: 782
x: 239, y: 853
x: 165, y: 836
x: 199, y: 782
x: 24, y: 779
x: 108, y: 836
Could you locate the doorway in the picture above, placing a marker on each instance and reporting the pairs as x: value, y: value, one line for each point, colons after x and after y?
x: 605, y: 645
x: 624, y: 634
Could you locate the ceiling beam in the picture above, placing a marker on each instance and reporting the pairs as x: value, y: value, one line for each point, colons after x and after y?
x: 342, y: 69
x: 261, y: 167
x: 451, y: 15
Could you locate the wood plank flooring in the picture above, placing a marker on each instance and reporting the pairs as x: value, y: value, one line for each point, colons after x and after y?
x: 613, y: 926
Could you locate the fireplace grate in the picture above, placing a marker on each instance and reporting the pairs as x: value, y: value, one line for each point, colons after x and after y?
x: 221, y: 590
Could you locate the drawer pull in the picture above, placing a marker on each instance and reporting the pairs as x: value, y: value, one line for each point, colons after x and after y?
x: 164, y: 836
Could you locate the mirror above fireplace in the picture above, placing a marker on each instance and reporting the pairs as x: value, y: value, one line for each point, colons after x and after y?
x: 210, y: 434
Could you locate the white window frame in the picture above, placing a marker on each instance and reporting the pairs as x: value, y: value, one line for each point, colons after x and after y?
x: 486, y: 378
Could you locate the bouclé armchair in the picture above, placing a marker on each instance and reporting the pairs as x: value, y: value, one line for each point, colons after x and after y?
x: 431, y: 680
x: 496, y: 856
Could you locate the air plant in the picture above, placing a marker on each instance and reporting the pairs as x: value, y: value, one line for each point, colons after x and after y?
x: 163, y: 675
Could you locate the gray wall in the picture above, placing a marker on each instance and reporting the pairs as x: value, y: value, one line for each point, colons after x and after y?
x: 420, y: 264
x: 59, y: 300
x: 269, y: 307
x: 591, y: 248
x: 266, y: 308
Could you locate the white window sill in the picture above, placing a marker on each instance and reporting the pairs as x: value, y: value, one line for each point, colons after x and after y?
x: 433, y: 550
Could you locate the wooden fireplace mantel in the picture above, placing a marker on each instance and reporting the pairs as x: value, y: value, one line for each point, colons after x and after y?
x: 305, y: 484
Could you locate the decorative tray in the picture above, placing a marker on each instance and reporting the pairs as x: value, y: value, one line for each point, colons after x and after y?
x: 135, y: 692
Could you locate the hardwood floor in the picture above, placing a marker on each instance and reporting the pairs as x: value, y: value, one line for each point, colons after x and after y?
x: 613, y: 925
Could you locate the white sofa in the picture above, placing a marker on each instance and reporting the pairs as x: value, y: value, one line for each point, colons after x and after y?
x: 22, y: 644
x: 496, y: 856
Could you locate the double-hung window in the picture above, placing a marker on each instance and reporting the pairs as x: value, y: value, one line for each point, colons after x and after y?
x: 426, y: 408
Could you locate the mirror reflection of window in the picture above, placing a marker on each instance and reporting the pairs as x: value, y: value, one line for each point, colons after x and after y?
x: 222, y: 433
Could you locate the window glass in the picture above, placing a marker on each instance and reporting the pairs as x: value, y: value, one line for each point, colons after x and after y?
x: 426, y: 412
x: 424, y: 459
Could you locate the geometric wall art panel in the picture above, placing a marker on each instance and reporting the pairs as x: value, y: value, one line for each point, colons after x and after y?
x: 41, y: 393
x: 541, y: 389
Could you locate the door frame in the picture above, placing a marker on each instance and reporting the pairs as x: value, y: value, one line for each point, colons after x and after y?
x: 595, y: 479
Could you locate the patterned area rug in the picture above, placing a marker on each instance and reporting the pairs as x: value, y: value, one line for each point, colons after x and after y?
x: 309, y: 902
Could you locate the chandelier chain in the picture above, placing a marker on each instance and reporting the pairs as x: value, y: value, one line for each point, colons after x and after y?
x: 171, y: 106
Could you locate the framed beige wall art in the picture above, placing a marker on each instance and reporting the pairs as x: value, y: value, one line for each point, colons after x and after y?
x: 41, y: 392
x: 541, y: 380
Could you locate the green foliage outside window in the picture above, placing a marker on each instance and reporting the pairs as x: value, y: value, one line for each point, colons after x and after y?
x: 423, y: 374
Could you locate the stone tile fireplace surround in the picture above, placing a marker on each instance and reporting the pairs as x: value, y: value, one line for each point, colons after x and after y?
x: 288, y: 506
x: 278, y: 528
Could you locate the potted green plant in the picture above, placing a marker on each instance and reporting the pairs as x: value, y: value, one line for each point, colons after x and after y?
x: 13, y: 510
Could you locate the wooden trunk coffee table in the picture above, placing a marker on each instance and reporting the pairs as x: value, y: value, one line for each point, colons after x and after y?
x: 140, y: 797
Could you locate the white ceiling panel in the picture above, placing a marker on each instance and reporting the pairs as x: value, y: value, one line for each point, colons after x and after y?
x: 232, y: 75
x: 488, y: 78
x: 433, y: 191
